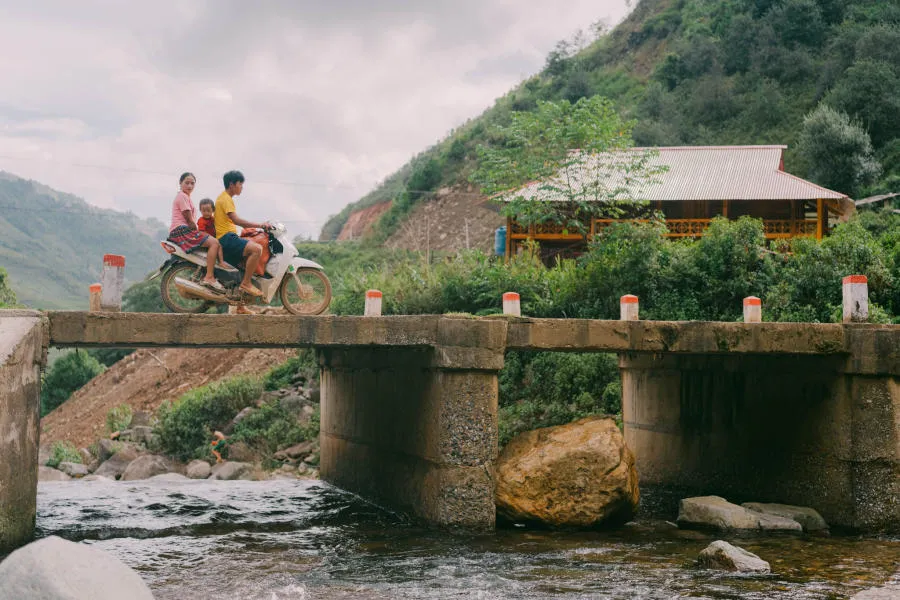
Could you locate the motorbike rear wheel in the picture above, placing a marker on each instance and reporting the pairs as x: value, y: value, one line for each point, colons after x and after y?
x: 174, y: 299
x: 306, y: 292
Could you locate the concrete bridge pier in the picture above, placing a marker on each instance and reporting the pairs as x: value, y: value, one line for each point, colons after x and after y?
x: 416, y: 428
x: 820, y: 431
x: 23, y: 346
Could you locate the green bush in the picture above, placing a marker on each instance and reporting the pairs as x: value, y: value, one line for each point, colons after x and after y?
x: 270, y: 427
x: 118, y: 418
x: 280, y: 376
x: 67, y: 374
x: 61, y: 452
x: 184, y: 428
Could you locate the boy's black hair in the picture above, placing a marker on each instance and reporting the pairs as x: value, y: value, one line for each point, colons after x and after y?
x: 232, y: 177
x: 185, y: 176
x: 209, y: 201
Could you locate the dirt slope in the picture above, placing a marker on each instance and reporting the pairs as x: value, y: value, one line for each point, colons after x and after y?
x: 144, y: 380
x: 360, y: 223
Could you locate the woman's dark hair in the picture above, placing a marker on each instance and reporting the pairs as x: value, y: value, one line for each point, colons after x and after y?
x: 206, y: 201
x: 185, y: 176
x: 232, y: 177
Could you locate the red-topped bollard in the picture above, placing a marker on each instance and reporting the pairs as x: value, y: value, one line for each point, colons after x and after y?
x: 113, y: 282
x: 512, y: 304
x: 752, y: 310
x: 373, y: 303
x: 856, y: 299
x: 629, y: 308
x: 94, y: 299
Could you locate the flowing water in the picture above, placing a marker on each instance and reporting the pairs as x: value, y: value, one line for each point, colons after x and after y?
x: 277, y: 540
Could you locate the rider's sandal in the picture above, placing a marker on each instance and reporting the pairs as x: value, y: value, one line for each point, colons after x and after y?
x: 213, y: 285
x: 252, y: 291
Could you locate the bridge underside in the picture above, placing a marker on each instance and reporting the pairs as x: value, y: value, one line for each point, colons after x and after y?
x: 799, y: 413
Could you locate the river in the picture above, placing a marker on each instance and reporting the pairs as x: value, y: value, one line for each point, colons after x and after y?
x: 279, y: 540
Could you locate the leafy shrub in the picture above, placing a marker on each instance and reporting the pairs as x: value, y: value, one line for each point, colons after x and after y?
x: 61, y: 452
x: 118, y: 418
x: 185, y: 427
x: 67, y: 374
x: 280, y: 376
x: 271, y: 427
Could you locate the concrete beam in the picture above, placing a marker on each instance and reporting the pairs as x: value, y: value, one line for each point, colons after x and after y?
x: 23, y: 345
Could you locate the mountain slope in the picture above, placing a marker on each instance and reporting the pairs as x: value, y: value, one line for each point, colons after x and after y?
x: 698, y: 72
x: 53, y: 243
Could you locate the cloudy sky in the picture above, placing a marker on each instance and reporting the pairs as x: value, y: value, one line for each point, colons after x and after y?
x: 316, y: 101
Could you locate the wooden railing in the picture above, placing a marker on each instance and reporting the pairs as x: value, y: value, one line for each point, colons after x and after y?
x: 677, y: 228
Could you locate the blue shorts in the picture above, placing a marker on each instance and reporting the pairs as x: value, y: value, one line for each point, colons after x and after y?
x: 233, y: 248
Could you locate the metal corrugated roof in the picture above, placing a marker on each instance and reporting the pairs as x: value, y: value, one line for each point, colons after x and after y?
x: 699, y: 173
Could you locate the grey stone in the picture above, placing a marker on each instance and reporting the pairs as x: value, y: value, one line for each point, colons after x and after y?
x: 86, y: 456
x: 297, y: 451
x: 808, y: 518
x: 56, y: 569
x: 293, y: 404
x: 51, y: 474
x: 722, y: 555
x: 246, y: 412
x: 140, y: 418
x: 144, y: 467
x: 241, y: 452
x: 126, y: 435
x: 94, y: 465
x: 116, y: 464
x: 312, y: 459
x: 198, y: 469
x: 231, y: 470
x: 43, y: 456
x: 890, y: 592
x: 99, y: 478
x: 142, y: 434
x: 717, y: 513
x: 108, y: 448
x: 73, y: 469
x: 169, y: 477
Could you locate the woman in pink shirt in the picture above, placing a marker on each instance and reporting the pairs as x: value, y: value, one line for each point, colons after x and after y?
x: 184, y: 232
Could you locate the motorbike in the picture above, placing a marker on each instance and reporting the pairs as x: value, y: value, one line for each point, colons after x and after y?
x: 300, y: 285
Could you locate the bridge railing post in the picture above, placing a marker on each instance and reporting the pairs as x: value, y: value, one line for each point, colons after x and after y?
x: 373, y: 303
x: 752, y: 310
x: 94, y: 299
x: 856, y: 299
x: 629, y: 308
x: 512, y: 304
x: 113, y: 282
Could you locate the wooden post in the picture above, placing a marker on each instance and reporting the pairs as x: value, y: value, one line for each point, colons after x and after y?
x: 509, y: 224
x: 94, y: 299
x: 725, y: 208
x: 820, y: 208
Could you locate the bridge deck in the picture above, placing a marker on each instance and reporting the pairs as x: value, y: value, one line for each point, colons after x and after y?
x: 85, y: 329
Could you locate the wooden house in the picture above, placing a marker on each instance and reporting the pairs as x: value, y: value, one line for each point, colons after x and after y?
x: 695, y: 184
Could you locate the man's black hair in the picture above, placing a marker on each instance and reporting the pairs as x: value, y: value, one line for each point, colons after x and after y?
x: 232, y: 177
x: 209, y: 201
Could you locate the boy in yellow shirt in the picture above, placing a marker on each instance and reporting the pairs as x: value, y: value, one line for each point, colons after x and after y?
x: 234, y: 247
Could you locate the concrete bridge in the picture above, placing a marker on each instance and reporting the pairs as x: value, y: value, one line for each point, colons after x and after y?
x: 798, y: 413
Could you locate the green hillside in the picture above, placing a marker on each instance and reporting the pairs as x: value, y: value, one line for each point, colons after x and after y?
x: 52, y: 244
x: 701, y: 72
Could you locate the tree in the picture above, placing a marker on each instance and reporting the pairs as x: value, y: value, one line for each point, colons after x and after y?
x: 838, y: 151
x: 7, y: 295
x: 66, y: 375
x: 577, y: 154
x: 868, y: 91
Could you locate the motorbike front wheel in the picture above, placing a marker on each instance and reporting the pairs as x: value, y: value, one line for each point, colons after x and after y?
x: 173, y: 298
x: 306, y: 292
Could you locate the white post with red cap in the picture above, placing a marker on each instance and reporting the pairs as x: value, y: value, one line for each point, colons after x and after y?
x: 512, y: 304
x: 856, y: 299
x: 752, y: 310
x: 94, y: 298
x: 629, y: 308
x: 373, y: 303
x: 112, y: 282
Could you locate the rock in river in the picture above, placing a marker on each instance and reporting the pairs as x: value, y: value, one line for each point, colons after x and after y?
x: 198, y: 469
x: 722, y: 555
x: 808, y: 518
x: 232, y: 470
x: 144, y: 467
x: 717, y: 513
x: 575, y: 475
x: 51, y: 474
x: 56, y: 569
x: 73, y: 469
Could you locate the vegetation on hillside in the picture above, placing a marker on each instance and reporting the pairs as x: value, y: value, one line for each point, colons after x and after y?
x: 52, y: 244
x: 7, y: 295
x: 703, y: 72
x: 67, y: 374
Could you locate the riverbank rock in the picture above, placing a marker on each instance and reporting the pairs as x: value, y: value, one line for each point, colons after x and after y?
x: 713, y: 512
x: 198, y: 469
x: 169, y: 477
x: 73, y: 469
x: 891, y: 592
x: 808, y: 518
x: 56, y: 569
x: 231, y: 470
x: 722, y: 555
x: 51, y: 474
x: 145, y: 467
x: 115, y: 465
x: 575, y: 475
x: 296, y: 452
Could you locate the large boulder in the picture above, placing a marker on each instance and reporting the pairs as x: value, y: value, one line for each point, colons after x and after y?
x: 231, y: 470
x: 891, y: 592
x: 144, y: 467
x: 296, y: 452
x: 808, y: 518
x: 73, y: 469
x: 575, y: 475
x: 241, y: 452
x: 198, y: 469
x: 713, y: 512
x: 115, y: 465
x: 722, y: 555
x: 51, y: 474
x: 56, y: 569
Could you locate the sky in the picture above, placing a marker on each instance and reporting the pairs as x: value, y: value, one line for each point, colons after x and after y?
x: 315, y: 101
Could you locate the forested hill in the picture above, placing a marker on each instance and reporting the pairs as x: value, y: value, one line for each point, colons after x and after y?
x: 52, y: 244
x: 703, y: 72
